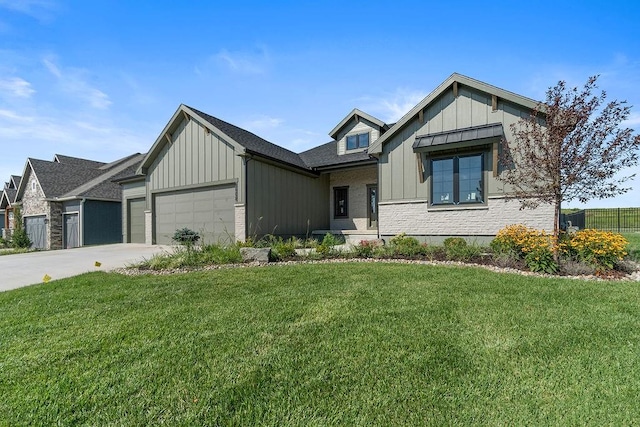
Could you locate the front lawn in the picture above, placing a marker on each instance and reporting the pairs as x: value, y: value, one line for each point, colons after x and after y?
x: 322, y: 344
x: 634, y: 245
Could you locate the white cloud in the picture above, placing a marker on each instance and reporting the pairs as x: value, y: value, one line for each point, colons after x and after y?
x: 243, y: 62
x: 73, y: 81
x: 262, y: 123
x: 39, y: 9
x: 391, y: 107
x: 16, y: 87
x: 14, y: 117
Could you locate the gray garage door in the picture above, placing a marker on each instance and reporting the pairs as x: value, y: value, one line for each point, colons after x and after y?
x: 71, y: 231
x: 209, y: 211
x: 135, y: 220
x: 36, y: 230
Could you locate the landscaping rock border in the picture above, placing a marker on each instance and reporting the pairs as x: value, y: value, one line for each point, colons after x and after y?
x: 132, y: 271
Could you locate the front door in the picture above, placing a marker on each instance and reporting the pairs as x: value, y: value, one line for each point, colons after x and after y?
x: 372, y: 206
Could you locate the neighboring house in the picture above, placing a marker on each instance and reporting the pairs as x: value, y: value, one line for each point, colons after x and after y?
x: 433, y: 174
x: 71, y: 202
x: 6, y: 206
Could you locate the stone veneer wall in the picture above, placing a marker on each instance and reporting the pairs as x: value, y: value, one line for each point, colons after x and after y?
x: 357, y: 181
x: 54, y: 227
x: 34, y: 203
x: 148, y: 227
x: 417, y: 219
x: 240, y: 222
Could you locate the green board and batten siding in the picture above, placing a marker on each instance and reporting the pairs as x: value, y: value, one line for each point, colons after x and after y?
x: 195, y: 157
x: 398, y: 166
x: 199, y: 168
x: 284, y: 202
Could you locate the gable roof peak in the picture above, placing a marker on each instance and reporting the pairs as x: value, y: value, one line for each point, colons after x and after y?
x: 376, y: 147
x: 355, y: 113
x: 245, y: 140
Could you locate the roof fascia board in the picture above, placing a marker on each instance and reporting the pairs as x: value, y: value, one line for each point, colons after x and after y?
x: 182, y: 112
x: 347, y: 166
x: 129, y: 179
x: 376, y: 147
x: 4, y: 199
x: 352, y: 114
x: 23, y: 181
x: 70, y: 198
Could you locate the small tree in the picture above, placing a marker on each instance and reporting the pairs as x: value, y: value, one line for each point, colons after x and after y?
x: 19, y: 237
x: 570, y: 147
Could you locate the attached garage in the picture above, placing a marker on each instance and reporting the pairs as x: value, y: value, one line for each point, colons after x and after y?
x: 36, y: 228
x: 208, y: 210
x: 135, y: 220
x: 71, y: 231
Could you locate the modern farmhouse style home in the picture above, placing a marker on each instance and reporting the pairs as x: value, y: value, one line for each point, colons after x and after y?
x: 431, y: 175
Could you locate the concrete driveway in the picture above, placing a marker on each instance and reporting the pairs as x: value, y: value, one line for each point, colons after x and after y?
x: 30, y: 268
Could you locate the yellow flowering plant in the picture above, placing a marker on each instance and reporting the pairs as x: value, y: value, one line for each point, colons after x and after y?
x: 521, y: 240
x: 602, y: 249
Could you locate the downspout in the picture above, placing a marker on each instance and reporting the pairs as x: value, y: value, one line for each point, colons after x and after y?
x: 246, y: 195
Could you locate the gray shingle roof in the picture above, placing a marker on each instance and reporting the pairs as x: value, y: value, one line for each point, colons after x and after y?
x: 83, y: 178
x: 105, y: 187
x: 77, y: 161
x: 57, y: 179
x: 326, y: 155
x: 253, y: 142
x: 15, y: 181
x: 8, y: 197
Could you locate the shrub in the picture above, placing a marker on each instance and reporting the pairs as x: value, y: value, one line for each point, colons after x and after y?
x: 20, y: 239
x: 280, y: 249
x: 455, y: 248
x: 186, y: 237
x: 521, y: 240
x: 404, y: 245
x: 540, y: 260
x: 367, y: 248
x: 506, y: 259
x: 601, y: 249
x: 572, y: 267
x: 220, y: 254
x: 329, y: 242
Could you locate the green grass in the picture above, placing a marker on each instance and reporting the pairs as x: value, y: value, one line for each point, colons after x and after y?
x: 614, y: 219
x: 13, y: 251
x: 325, y: 344
x: 634, y: 245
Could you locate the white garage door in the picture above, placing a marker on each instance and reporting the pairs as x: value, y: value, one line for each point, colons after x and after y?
x: 209, y: 211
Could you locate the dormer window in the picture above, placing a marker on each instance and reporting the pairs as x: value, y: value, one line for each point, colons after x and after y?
x: 360, y: 140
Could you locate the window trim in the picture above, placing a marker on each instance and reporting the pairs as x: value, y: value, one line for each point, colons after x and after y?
x: 336, y: 215
x: 357, y: 137
x: 456, y: 179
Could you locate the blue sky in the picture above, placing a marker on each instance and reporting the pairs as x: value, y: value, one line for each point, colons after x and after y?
x: 100, y: 79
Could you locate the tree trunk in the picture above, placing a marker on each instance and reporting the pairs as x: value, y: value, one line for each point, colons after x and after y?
x: 556, y: 228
